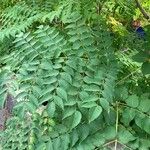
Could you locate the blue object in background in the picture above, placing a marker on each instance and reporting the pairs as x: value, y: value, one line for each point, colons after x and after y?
x: 140, y: 32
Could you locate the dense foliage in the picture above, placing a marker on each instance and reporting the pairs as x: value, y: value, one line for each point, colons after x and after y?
x: 84, y: 59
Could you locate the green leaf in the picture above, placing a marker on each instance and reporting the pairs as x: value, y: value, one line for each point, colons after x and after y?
x: 49, y: 145
x: 59, y: 102
x: 140, y: 57
x: 128, y: 115
x: 68, y: 112
x: 57, y: 143
x: 57, y: 66
x: 21, y: 96
x: 91, y: 88
x: 144, y: 144
x: 48, y: 89
x: 71, y: 102
x: 41, y: 146
x: 20, y: 105
x: 133, y: 101
x: 30, y: 106
x: 50, y: 80
x: 2, y: 100
x: 146, y: 68
x: 64, y: 84
x: 76, y: 118
x: 68, y: 69
x: 32, y: 68
x: 144, y: 103
x: 146, y: 125
x: 77, y: 44
x: 94, y: 113
x: 74, y: 137
x: 139, y: 120
x: 125, y: 136
x: 36, y: 90
x: 98, y: 140
x: 51, y: 109
x: 109, y: 132
x: 83, y: 132
x: 46, y: 97
x: 66, y: 140
x: 53, y: 73
x: 84, y: 95
x: 88, y: 105
x: 91, y: 98
x: 46, y: 65
x: 105, y: 104
x: 62, y: 93
x: 66, y: 77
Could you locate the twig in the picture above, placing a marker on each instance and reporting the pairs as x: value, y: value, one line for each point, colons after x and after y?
x: 117, y: 118
x: 115, y: 141
x: 99, y: 7
x: 126, y: 77
x: 145, y: 14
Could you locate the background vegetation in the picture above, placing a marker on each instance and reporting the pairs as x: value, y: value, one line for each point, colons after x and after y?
x: 84, y: 58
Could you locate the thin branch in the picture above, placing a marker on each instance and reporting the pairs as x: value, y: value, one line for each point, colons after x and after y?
x: 145, y: 14
x: 116, y: 143
x: 108, y: 143
x: 117, y: 118
x: 126, y: 77
x: 99, y: 7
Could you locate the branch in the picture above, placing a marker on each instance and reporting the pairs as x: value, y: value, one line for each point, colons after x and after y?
x: 145, y: 14
x: 126, y: 77
x: 99, y: 7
